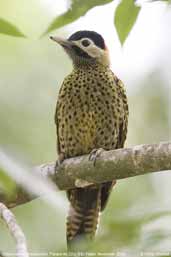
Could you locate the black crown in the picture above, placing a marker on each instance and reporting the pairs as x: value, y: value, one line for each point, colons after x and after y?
x: 94, y: 36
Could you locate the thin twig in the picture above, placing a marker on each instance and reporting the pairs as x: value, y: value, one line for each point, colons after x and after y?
x: 15, y: 230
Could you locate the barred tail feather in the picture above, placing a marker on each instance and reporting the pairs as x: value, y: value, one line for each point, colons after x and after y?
x: 83, y: 215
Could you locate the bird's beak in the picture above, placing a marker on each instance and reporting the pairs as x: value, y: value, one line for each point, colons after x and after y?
x: 61, y: 41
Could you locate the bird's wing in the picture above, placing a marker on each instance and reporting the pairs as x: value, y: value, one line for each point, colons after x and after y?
x: 124, y: 121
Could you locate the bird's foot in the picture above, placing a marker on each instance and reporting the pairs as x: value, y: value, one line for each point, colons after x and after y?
x: 95, y: 153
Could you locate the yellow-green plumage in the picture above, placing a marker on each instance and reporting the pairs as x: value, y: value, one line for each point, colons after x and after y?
x: 91, y: 113
x: 91, y: 110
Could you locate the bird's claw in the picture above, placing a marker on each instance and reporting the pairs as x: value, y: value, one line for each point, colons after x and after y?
x: 95, y: 153
x: 57, y: 164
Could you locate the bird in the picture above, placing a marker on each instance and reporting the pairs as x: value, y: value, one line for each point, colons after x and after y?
x: 91, y: 113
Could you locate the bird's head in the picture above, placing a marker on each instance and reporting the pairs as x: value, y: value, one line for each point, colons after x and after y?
x: 85, y: 48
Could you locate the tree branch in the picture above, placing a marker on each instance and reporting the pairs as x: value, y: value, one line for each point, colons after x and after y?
x: 115, y: 164
x: 110, y: 165
x: 15, y: 230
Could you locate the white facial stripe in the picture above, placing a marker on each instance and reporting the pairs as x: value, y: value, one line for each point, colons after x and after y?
x: 86, y: 38
x: 78, y: 43
x: 91, y: 49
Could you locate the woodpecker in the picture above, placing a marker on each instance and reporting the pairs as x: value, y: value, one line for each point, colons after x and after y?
x: 91, y: 113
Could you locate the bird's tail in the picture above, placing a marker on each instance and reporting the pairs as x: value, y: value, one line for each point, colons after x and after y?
x: 83, y: 215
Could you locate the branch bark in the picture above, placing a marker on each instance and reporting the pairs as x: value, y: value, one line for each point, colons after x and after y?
x: 15, y: 230
x: 115, y: 164
x: 110, y: 165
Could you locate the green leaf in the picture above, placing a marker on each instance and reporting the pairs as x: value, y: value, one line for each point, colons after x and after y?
x: 125, y: 17
x: 78, y: 8
x: 7, y: 185
x: 8, y: 29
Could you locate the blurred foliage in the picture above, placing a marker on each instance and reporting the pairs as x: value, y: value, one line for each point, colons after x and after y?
x: 77, y: 9
x: 159, y: 1
x: 137, y: 217
x: 7, y: 185
x: 149, y: 105
x: 125, y: 17
x: 9, y: 29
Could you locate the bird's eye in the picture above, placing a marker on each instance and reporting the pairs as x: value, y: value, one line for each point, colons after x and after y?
x: 85, y: 42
